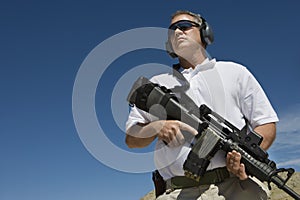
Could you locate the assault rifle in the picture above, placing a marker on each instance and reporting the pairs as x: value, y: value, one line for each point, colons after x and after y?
x: 214, y: 134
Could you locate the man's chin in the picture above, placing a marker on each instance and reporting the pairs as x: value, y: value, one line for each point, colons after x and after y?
x: 184, y: 52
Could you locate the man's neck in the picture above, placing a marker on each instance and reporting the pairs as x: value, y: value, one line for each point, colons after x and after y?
x: 192, y: 61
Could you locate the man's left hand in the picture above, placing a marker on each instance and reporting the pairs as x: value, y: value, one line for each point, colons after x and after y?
x: 234, y: 165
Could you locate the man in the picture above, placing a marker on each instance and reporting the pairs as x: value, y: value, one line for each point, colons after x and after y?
x: 226, y: 87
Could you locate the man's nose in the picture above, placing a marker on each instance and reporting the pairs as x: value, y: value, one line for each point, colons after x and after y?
x: 178, y: 30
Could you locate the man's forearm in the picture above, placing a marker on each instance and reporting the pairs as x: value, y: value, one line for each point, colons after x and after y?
x: 135, y: 142
x: 140, y: 135
x: 268, y: 132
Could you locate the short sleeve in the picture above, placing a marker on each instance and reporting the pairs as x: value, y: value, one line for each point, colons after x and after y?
x: 137, y: 115
x: 255, y: 105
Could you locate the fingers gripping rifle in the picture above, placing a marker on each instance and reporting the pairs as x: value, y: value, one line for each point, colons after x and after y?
x: 214, y: 133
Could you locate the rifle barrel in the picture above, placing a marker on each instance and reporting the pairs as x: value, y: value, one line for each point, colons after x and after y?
x: 281, y: 185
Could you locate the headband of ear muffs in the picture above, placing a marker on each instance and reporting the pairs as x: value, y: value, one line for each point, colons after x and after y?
x: 206, y: 35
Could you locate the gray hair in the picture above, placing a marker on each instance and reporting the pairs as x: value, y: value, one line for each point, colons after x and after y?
x: 197, y: 17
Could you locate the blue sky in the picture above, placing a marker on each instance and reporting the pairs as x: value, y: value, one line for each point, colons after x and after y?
x: 43, y: 46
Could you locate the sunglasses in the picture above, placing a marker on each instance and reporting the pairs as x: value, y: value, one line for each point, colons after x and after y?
x: 182, y: 25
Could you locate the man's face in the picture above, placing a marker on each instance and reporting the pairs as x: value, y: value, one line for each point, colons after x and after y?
x: 184, y: 41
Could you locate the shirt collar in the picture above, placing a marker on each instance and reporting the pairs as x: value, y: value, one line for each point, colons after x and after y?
x: 205, y: 65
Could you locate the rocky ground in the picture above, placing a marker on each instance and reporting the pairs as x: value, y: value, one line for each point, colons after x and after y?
x: 293, y: 183
x: 276, y: 193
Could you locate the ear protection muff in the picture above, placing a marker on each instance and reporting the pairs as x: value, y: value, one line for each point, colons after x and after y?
x: 206, y: 35
x: 170, y: 49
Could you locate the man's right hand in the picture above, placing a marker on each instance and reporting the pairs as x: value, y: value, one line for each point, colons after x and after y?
x: 170, y: 131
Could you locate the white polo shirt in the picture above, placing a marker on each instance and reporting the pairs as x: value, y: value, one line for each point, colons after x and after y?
x: 227, y: 88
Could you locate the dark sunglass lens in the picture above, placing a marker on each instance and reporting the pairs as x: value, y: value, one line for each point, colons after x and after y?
x: 185, y: 26
x: 181, y: 25
x: 173, y: 27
